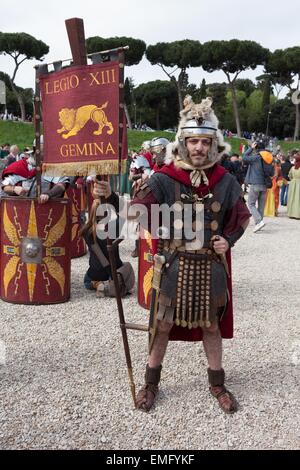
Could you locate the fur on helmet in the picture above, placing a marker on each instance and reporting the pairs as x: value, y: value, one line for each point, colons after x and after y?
x: 200, y: 113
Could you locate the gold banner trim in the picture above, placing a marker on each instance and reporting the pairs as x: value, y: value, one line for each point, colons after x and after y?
x: 102, y: 167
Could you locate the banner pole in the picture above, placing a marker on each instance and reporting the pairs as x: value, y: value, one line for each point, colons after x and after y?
x: 75, y: 30
x: 37, y: 131
x: 121, y: 58
x: 111, y: 246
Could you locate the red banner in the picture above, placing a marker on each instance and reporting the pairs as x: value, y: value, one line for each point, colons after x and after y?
x: 81, y: 120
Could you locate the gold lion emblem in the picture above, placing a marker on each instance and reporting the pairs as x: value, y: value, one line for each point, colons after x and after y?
x: 73, y: 120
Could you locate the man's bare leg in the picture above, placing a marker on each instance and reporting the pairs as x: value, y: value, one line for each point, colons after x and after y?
x: 160, y: 344
x: 212, y: 343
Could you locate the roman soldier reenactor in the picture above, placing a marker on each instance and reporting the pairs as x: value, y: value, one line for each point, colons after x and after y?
x: 19, y: 179
x: 194, y: 291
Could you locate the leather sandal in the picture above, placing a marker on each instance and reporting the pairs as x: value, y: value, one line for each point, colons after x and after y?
x: 146, y: 397
x: 225, y: 398
x: 218, y: 390
x: 147, y: 394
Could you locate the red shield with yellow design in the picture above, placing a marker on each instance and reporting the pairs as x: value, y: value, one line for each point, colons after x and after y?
x: 145, y: 268
x: 35, y: 251
x: 77, y: 198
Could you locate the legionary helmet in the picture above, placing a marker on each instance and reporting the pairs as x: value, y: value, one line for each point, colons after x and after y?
x: 140, y: 162
x: 198, y: 128
x: 197, y: 120
x: 158, y: 146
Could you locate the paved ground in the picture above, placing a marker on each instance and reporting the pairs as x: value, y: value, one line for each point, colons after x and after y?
x: 63, y: 379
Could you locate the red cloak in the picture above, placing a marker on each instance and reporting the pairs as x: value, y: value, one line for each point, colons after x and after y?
x: 19, y: 168
x: 214, y: 175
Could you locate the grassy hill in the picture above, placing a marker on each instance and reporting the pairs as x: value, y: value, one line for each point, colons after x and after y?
x: 22, y: 134
x: 19, y: 133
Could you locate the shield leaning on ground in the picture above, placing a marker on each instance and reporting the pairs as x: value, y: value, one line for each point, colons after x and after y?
x: 35, y: 251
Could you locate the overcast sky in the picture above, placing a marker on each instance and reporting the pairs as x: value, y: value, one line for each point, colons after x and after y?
x: 273, y: 24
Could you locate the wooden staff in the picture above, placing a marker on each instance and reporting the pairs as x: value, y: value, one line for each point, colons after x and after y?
x: 77, y: 42
x: 37, y: 131
x: 111, y: 246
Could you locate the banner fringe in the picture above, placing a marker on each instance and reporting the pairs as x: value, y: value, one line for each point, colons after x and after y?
x: 102, y: 167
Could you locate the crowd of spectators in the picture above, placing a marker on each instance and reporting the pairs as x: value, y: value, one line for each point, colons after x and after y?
x: 12, y: 117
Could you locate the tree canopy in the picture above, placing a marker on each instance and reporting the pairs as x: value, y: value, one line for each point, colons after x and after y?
x: 233, y: 57
x: 246, y: 85
x: 180, y: 54
x: 21, y: 47
x: 11, y: 100
x: 279, y: 68
x: 282, y: 122
x: 6, y: 79
x: 160, y: 97
x: 22, y: 44
x: 284, y: 68
x: 218, y: 93
x: 133, y: 56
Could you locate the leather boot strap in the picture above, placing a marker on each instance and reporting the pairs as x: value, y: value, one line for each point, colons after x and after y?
x: 216, y: 377
x: 152, y: 375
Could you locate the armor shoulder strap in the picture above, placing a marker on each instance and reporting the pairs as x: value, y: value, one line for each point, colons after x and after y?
x: 143, y: 191
x: 177, y: 191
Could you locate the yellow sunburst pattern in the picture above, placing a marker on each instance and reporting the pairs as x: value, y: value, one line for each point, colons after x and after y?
x: 10, y: 229
x: 147, y: 284
x: 57, y: 231
x: 147, y: 257
x: 13, y: 231
x: 56, y: 271
x: 76, y: 196
x: 10, y: 271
